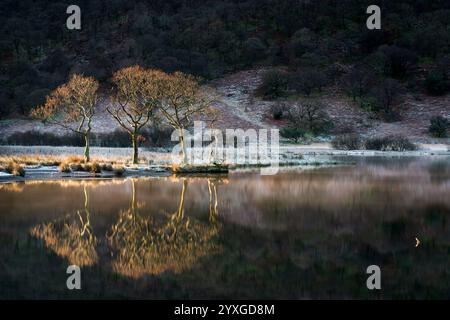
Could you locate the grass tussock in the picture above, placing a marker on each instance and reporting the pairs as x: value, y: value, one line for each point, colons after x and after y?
x: 75, y: 159
x: 107, y: 167
x: 15, y: 169
x: 15, y: 164
x: 118, y: 170
x: 65, y: 167
x: 76, y: 167
x: 92, y: 167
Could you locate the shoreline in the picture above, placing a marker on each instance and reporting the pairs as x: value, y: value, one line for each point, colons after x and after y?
x: 164, y: 154
x: 158, y: 161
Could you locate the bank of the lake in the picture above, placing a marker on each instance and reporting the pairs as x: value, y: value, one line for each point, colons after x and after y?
x: 158, y: 161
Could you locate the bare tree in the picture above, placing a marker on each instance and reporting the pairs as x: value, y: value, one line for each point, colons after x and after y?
x: 309, y: 116
x: 357, y: 82
x: 387, y: 95
x: 182, y: 99
x: 72, y: 106
x: 137, y: 92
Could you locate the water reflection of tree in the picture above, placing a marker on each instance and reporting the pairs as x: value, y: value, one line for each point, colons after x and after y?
x: 213, y: 202
x: 143, y: 245
x: 71, y: 237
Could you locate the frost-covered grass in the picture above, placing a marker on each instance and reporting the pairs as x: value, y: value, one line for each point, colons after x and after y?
x: 55, y: 156
x: 29, y: 160
x: 72, y: 157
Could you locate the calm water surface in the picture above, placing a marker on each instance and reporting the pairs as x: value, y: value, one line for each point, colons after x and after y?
x: 299, y: 234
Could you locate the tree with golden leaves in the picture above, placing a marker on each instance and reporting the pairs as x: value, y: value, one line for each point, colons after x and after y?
x: 136, y: 95
x: 72, y: 106
x: 182, y: 99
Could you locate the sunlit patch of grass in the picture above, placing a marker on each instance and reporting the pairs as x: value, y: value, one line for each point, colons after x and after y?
x: 31, y: 160
x: 68, y: 166
x: 64, y: 167
x: 15, y: 169
x: 93, y: 167
x: 53, y: 160
x: 175, y: 167
x: 74, y: 159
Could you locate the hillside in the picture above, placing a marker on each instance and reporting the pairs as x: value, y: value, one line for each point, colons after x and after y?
x: 240, y: 107
x: 371, y: 82
x: 214, y: 38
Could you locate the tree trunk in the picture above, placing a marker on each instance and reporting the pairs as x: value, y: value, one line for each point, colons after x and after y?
x: 183, y: 147
x: 87, y: 157
x: 135, y: 149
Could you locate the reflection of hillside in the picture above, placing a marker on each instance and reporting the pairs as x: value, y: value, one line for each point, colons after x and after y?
x: 70, y: 237
x: 347, y: 196
x: 143, y: 245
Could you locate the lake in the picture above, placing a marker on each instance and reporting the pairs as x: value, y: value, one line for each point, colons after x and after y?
x: 300, y: 234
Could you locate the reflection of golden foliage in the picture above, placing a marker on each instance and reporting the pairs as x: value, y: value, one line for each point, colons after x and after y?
x: 76, y: 183
x: 13, y: 187
x: 69, y: 238
x: 144, y: 247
